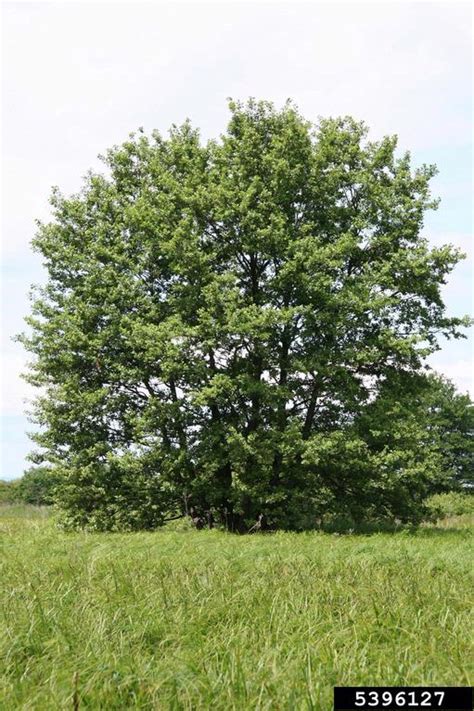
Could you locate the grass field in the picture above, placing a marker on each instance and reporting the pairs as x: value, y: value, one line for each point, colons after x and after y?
x: 181, y: 619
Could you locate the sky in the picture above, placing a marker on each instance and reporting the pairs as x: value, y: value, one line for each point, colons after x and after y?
x: 78, y: 77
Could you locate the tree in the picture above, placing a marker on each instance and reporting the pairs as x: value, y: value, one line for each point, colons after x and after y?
x: 450, y: 417
x: 217, y: 314
x: 416, y: 439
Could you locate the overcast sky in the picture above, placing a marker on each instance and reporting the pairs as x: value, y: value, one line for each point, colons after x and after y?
x: 78, y: 77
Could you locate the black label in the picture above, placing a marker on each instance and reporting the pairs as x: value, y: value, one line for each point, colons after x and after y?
x: 391, y: 698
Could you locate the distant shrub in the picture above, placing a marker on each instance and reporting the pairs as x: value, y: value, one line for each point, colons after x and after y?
x: 37, y: 487
x: 453, y: 503
x: 8, y: 491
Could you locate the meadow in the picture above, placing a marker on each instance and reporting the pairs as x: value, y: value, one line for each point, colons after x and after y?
x: 185, y: 619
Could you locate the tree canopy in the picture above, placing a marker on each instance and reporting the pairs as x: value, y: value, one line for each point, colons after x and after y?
x: 227, y: 328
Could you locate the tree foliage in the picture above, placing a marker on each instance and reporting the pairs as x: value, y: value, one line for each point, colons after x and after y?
x: 222, y: 319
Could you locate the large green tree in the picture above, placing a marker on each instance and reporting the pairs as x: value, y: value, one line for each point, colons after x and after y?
x: 218, y: 316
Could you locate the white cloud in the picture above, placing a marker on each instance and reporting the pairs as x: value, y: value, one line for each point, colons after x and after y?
x: 461, y: 372
x: 16, y: 394
x: 78, y: 77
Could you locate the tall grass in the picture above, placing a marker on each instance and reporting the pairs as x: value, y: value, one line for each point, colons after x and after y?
x: 207, y: 620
